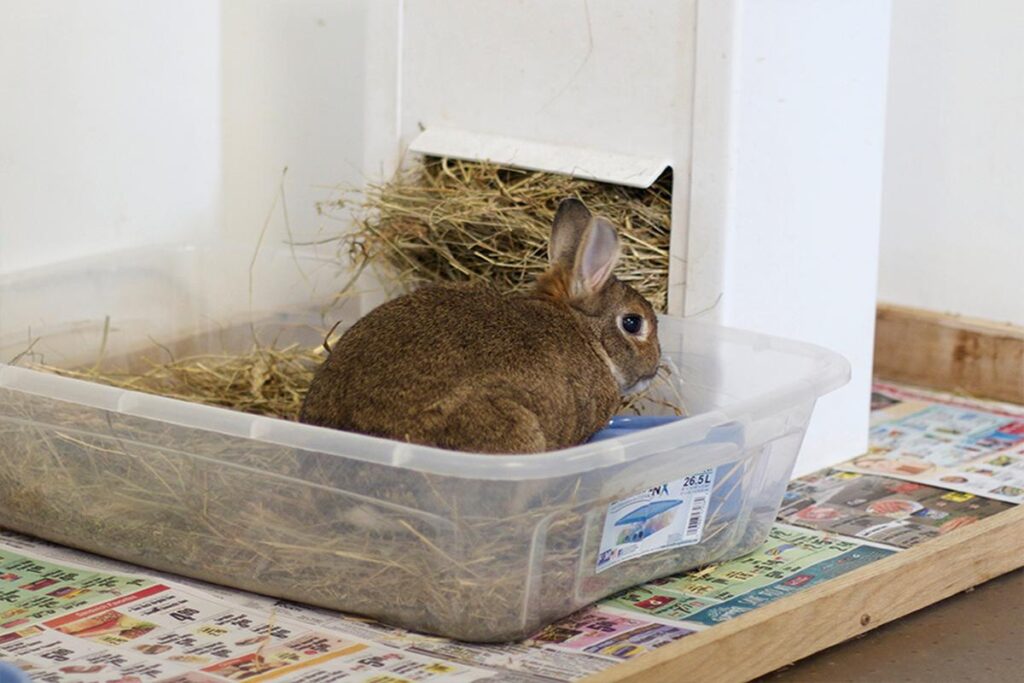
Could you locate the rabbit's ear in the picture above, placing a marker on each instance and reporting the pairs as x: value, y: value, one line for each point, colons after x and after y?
x: 571, y: 221
x: 596, y: 258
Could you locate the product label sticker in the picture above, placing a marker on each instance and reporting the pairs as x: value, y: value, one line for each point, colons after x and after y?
x: 670, y: 515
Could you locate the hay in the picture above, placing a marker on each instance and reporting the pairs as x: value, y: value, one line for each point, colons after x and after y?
x: 262, y: 380
x: 446, y: 220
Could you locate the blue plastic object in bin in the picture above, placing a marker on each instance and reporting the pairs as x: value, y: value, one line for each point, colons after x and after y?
x: 621, y: 425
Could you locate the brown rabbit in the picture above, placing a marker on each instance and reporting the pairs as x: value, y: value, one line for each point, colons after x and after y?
x: 466, y: 368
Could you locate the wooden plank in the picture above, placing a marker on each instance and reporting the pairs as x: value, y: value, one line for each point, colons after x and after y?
x: 951, y: 353
x: 784, y: 631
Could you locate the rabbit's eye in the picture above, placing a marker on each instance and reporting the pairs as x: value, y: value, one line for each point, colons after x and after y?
x: 632, y: 323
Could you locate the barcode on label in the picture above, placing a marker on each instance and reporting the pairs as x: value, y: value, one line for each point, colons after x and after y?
x: 696, y: 512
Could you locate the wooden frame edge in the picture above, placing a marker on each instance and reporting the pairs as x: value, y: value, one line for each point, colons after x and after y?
x: 949, y: 352
x: 794, y: 627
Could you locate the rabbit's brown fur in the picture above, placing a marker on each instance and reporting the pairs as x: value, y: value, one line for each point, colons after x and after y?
x: 466, y: 368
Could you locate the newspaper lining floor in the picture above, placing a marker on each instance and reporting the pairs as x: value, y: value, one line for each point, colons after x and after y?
x: 936, y: 462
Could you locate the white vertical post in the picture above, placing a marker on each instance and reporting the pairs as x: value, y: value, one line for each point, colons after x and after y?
x: 787, y: 243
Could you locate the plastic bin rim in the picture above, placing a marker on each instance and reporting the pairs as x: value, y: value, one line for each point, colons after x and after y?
x: 832, y: 371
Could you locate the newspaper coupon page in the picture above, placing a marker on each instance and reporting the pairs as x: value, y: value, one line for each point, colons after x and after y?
x: 881, y: 509
x: 62, y: 618
x: 70, y: 616
x: 61, y: 621
x: 791, y: 560
x: 932, y: 438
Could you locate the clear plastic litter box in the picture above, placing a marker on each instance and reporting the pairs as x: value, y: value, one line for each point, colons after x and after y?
x: 470, y: 546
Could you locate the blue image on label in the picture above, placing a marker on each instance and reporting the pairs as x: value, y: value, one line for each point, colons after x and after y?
x: 669, y: 515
